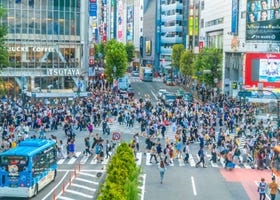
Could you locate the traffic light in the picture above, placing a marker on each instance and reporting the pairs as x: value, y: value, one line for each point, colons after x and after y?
x: 102, y: 75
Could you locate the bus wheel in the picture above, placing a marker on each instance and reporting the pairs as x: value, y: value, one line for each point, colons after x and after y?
x: 54, y: 176
x: 36, y: 190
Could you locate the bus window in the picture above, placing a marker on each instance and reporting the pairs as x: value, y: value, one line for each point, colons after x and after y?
x: 14, y: 164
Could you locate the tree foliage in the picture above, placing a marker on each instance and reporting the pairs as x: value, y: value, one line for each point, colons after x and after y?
x: 186, y: 63
x: 209, y: 59
x: 122, y: 179
x: 116, y: 57
x: 129, y: 51
x: 177, y: 51
x: 4, y: 55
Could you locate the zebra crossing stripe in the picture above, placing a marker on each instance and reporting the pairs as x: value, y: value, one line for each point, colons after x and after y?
x: 84, y: 159
x: 181, y: 162
x: 105, y: 161
x: 191, y: 160
x: 214, y: 164
x: 93, y: 161
x: 139, y: 158
x: 73, y: 159
x: 148, y: 155
x: 247, y: 166
x: 222, y: 160
x: 61, y: 161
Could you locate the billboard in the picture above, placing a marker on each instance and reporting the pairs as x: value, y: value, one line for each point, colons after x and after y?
x: 262, y: 23
x: 262, y: 68
x: 129, y: 25
x: 92, y: 8
x: 120, y: 18
x: 148, y: 48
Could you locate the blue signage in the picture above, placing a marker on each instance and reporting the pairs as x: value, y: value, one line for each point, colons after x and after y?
x: 234, y: 16
x: 93, y: 9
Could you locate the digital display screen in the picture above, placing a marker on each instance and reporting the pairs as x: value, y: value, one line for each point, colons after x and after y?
x: 269, y: 70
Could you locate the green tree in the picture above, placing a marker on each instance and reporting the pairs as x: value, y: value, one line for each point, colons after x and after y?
x: 177, y: 51
x: 116, y: 58
x: 99, y: 53
x: 129, y: 51
x: 186, y: 63
x: 4, y: 55
x: 209, y: 59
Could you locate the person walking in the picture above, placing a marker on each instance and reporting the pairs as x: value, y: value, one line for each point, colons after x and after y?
x: 273, y: 186
x: 162, y: 170
x: 201, y: 157
x: 261, y: 189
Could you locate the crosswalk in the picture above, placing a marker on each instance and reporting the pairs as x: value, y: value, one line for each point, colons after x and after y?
x: 137, y: 79
x: 144, y: 160
x: 83, y: 160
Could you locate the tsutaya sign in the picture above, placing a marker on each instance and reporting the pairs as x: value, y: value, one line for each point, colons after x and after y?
x: 64, y: 72
x: 34, y: 49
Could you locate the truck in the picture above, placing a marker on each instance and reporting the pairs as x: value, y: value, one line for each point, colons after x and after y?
x: 123, y: 83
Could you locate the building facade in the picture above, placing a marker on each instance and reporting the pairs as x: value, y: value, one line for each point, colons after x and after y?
x: 46, y: 42
x: 249, y: 42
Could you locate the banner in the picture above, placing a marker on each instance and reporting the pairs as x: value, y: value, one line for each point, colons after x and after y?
x: 263, y: 21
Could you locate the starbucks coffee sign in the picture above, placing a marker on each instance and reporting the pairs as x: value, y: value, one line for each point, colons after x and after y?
x: 34, y: 49
x: 64, y: 72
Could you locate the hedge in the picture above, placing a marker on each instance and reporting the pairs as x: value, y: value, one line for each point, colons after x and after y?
x: 122, y: 176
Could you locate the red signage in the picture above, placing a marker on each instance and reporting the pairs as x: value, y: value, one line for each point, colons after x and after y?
x: 262, y: 68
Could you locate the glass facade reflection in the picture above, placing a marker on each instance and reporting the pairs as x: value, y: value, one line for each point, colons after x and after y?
x: 43, y: 34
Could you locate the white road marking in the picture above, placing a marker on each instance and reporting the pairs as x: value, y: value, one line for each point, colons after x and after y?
x: 60, y: 161
x: 87, y: 174
x: 154, y: 95
x: 214, y: 164
x: 73, y: 159
x: 93, y: 161
x: 105, y: 161
x: 143, y: 187
x: 79, y: 193
x: 51, y: 192
x: 148, y: 155
x: 64, y: 198
x: 87, y: 181
x: 193, y: 186
x: 191, y: 161
x: 84, y: 187
x: 181, y: 162
x: 84, y: 160
x: 139, y: 157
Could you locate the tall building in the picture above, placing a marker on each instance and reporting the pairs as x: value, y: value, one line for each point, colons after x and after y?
x: 47, y: 43
x: 165, y: 24
x: 250, y: 42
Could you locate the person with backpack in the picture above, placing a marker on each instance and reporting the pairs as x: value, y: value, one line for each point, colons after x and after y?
x: 201, y: 157
x: 261, y: 189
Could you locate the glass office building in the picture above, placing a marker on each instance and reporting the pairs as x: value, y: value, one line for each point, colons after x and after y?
x: 44, y: 41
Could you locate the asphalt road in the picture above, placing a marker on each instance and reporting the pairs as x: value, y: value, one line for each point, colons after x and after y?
x: 181, y: 181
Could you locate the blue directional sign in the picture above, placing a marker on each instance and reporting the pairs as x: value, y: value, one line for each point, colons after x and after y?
x: 244, y: 93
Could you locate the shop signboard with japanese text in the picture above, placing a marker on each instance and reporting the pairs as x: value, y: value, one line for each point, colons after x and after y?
x: 263, y: 22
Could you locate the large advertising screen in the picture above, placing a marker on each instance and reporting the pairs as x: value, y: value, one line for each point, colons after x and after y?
x: 262, y: 68
x: 263, y: 20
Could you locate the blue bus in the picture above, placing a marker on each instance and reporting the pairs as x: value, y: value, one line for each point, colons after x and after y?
x: 27, y: 168
x: 146, y: 74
